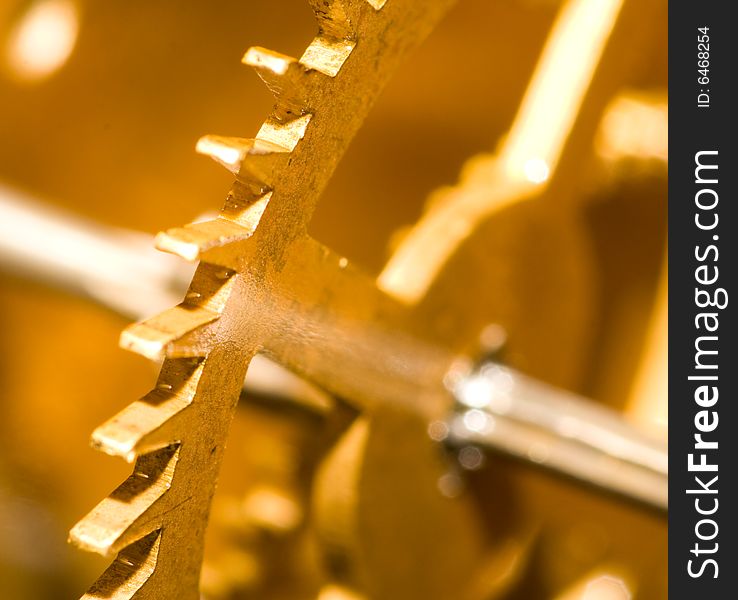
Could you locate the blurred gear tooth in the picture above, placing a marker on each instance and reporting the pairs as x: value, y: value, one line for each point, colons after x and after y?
x: 144, y: 426
x: 162, y: 335
x: 339, y: 592
x: 228, y: 151
x: 253, y: 159
x: 192, y: 241
x: 129, y: 572
x: 276, y: 70
x: 234, y: 572
x: 288, y: 80
x: 150, y: 423
x: 129, y: 513
x: 272, y: 509
x: 180, y: 331
x: 211, y: 287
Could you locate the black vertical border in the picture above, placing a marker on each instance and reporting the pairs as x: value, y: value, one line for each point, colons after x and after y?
x: 692, y: 129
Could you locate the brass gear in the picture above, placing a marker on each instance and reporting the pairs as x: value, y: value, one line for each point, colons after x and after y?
x: 265, y: 286
x: 259, y: 274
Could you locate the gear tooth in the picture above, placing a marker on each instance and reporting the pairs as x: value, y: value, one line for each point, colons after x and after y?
x: 211, y: 287
x: 162, y: 335
x: 133, y: 567
x: 284, y: 133
x: 337, y: 33
x: 327, y: 54
x: 151, y: 423
x: 143, y: 426
x: 336, y: 36
x: 276, y: 70
x: 133, y: 510
x: 228, y: 151
x: 287, y: 79
x: 253, y: 160
x: 246, y: 210
x: 192, y: 241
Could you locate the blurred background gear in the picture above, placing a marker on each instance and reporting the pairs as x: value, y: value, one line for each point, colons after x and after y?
x: 101, y: 105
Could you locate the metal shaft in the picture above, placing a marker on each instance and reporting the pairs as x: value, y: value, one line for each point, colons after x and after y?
x: 501, y: 409
x: 497, y: 408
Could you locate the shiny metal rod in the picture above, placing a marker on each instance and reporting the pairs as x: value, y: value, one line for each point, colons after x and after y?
x: 119, y: 269
x: 497, y: 408
x: 501, y: 409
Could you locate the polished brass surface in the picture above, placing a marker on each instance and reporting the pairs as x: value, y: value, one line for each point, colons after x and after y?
x: 262, y: 285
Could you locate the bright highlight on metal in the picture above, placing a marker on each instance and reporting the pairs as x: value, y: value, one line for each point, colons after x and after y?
x: 527, y: 160
x: 42, y: 39
x: 501, y: 409
x: 559, y: 84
